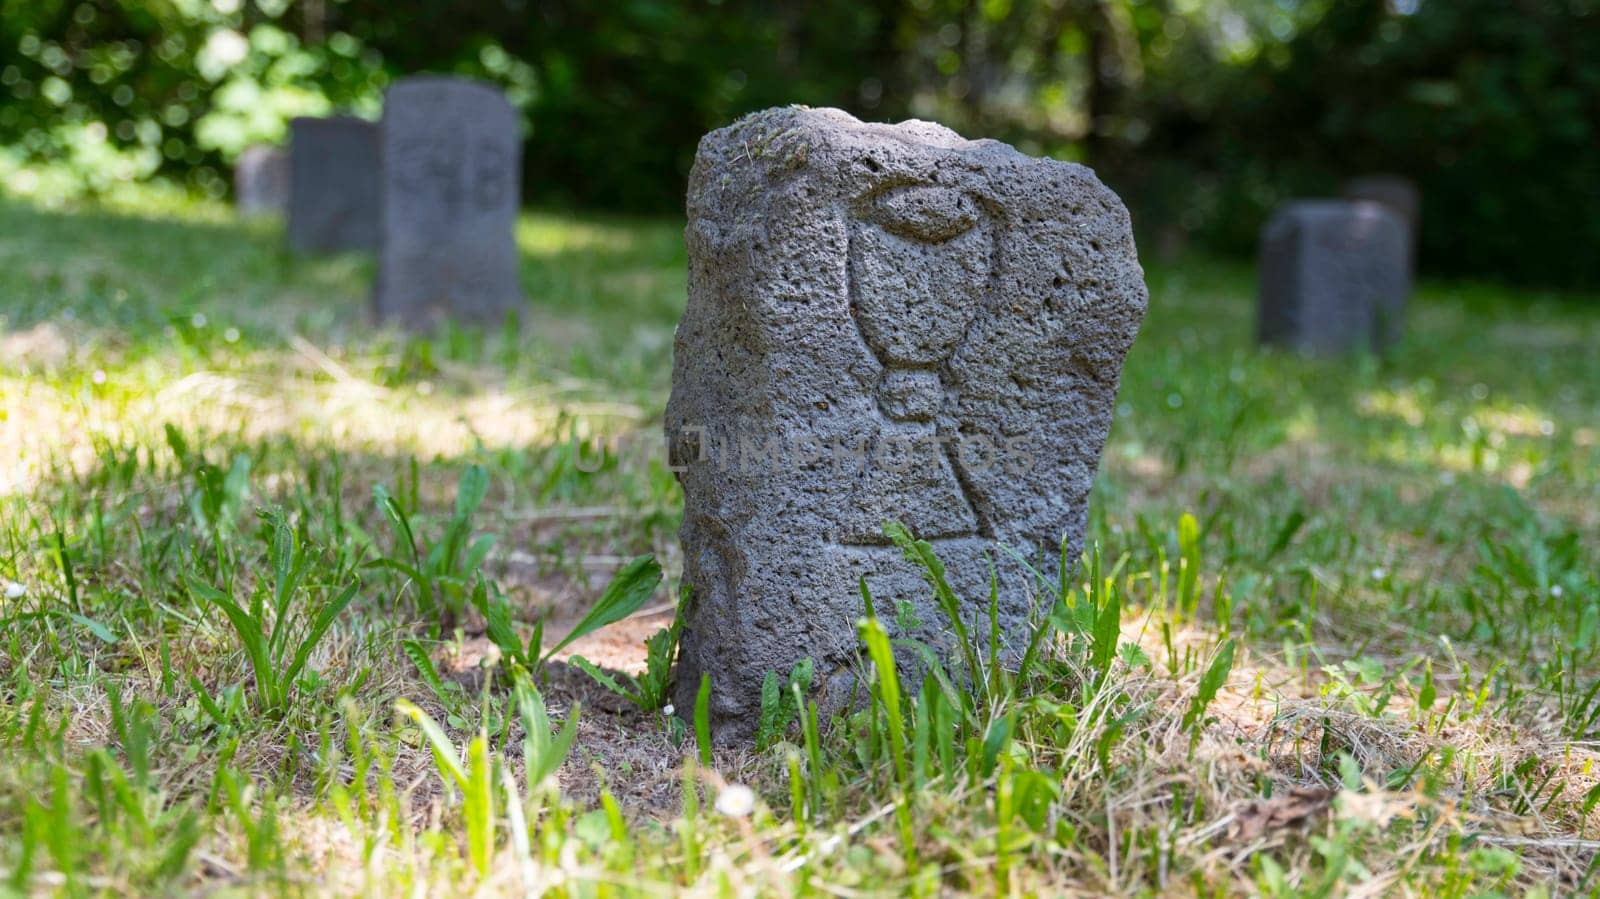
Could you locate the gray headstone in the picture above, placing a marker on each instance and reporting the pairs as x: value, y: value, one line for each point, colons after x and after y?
x: 333, y: 184
x: 884, y: 322
x: 261, y: 181
x: 1400, y: 196
x: 1334, y: 276
x: 451, y: 185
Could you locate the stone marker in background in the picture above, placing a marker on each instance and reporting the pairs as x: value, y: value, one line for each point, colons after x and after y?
x: 1399, y: 195
x: 261, y: 181
x: 451, y: 187
x: 1334, y: 276
x: 333, y: 184
x: 884, y: 322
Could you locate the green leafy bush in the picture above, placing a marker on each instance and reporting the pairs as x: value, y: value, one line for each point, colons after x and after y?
x: 1469, y: 98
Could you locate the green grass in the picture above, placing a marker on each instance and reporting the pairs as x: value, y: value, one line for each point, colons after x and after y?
x: 1339, y: 631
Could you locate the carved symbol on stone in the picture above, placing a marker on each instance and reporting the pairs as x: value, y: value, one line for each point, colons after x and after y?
x: 920, y: 263
x: 430, y: 168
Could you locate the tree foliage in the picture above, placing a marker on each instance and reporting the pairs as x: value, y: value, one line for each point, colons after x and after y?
x: 1204, y: 114
x: 1493, y: 107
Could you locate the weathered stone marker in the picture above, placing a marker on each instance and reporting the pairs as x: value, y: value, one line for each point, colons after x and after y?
x: 1334, y: 276
x: 333, y: 184
x: 261, y: 181
x: 452, y: 159
x: 1399, y: 195
x: 885, y: 322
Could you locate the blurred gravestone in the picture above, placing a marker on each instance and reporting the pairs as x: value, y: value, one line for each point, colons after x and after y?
x: 1334, y: 276
x: 261, y: 181
x: 333, y: 184
x: 451, y: 185
x: 1399, y: 195
x: 885, y: 322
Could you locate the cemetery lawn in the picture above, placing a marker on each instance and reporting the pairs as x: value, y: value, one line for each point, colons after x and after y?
x: 1359, y: 602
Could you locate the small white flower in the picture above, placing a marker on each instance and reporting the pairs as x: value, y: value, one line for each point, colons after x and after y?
x: 231, y: 335
x: 1557, y: 592
x: 14, y: 590
x: 736, y: 801
x: 99, y: 376
x: 669, y: 710
x: 198, y: 319
x: 1379, y: 574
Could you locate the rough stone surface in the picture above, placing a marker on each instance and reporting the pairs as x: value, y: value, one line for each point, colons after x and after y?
x: 452, y: 159
x: 333, y: 184
x: 884, y: 322
x: 261, y: 181
x: 1334, y: 276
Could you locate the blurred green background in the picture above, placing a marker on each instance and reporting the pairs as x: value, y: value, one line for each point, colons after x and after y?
x: 1204, y: 115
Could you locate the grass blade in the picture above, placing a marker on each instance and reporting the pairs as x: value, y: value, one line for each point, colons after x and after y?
x: 543, y: 752
x: 478, y: 804
x: 420, y: 658
x: 249, y: 632
x: 444, y: 752
x: 626, y: 594
x: 319, y: 627
x: 702, y: 720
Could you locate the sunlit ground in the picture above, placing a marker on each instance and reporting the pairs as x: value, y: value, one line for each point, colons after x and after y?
x: 1407, y: 551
